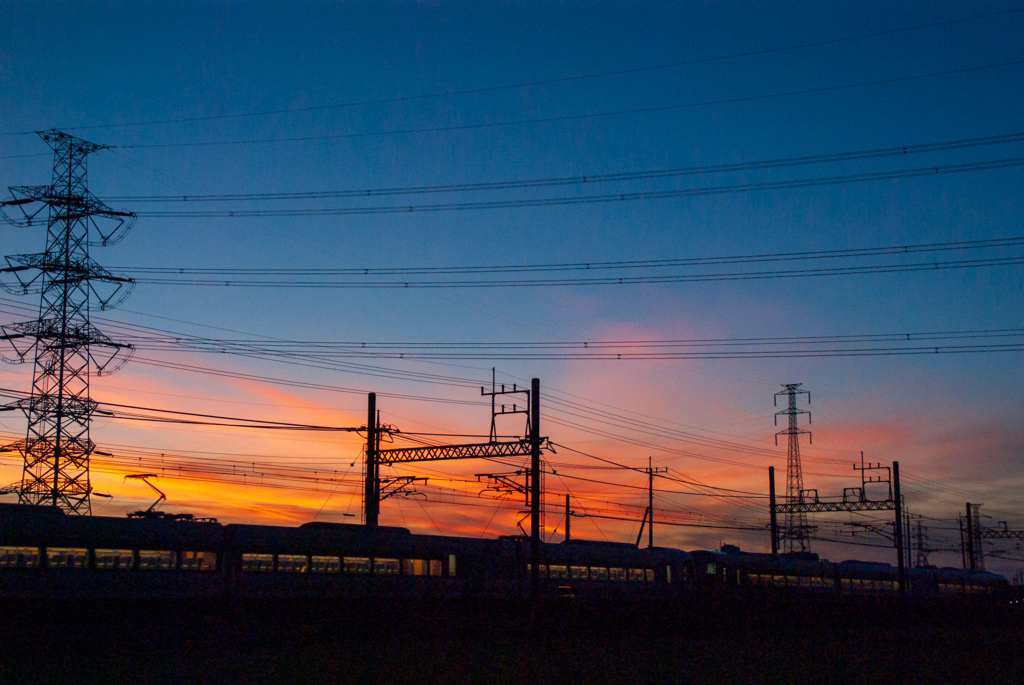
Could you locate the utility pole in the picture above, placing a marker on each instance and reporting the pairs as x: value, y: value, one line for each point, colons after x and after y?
x: 774, y: 518
x: 976, y: 534
x: 796, y: 521
x: 568, y: 519
x: 535, y: 490
x: 969, y: 553
x: 651, y: 472
x: 371, y: 495
x: 66, y: 347
x: 921, y: 560
x: 899, y: 525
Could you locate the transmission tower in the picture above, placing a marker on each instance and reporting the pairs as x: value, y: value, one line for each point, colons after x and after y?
x: 63, y: 343
x: 796, y: 531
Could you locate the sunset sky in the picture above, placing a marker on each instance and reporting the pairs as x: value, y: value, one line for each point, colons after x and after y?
x: 247, y: 99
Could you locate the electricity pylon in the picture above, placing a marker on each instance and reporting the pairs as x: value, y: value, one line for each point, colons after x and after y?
x: 796, y: 533
x: 65, y: 346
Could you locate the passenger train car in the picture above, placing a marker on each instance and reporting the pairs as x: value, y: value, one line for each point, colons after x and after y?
x: 804, y: 573
x: 46, y: 554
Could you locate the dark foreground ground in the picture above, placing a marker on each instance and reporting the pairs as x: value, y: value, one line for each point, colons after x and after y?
x: 458, y: 642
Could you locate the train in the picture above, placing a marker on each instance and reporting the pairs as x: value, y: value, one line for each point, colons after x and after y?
x: 45, y: 553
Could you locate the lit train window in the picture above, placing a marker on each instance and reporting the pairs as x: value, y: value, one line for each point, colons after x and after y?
x: 114, y: 558
x: 712, y: 569
x: 668, y: 574
x: 292, y: 563
x: 199, y: 561
x: 357, y: 565
x: 556, y: 572
x: 436, y: 567
x: 542, y: 570
x: 578, y: 572
x: 415, y: 567
x: 649, y: 575
x: 254, y: 563
x: 598, y: 573
x: 67, y: 557
x: 150, y: 560
x: 19, y: 557
x: 326, y: 565
x: 617, y: 573
x: 636, y: 574
x: 385, y: 567
x: 451, y: 565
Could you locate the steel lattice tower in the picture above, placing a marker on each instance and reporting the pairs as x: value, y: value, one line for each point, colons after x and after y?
x: 796, y: 528
x: 65, y: 346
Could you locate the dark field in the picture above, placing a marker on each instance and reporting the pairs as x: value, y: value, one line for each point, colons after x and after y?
x: 459, y: 642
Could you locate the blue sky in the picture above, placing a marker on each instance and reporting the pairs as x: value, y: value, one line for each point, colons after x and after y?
x: 953, y: 419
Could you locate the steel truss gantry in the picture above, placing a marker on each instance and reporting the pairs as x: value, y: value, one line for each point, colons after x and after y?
x: 530, y: 446
x: 853, y: 499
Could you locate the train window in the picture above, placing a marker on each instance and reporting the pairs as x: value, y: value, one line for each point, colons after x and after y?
x: 847, y: 584
x: 436, y: 567
x: 598, y: 573
x: 668, y: 574
x: 617, y: 573
x: 154, y: 560
x: 779, y: 581
x: 19, y: 557
x: 578, y: 572
x: 357, y: 564
x: 636, y: 574
x: 385, y: 567
x: 256, y: 563
x: 292, y: 563
x: 649, y: 575
x: 67, y: 557
x: 199, y: 561
x: 558, y: 572
x: 326, y: 564
x: 415, y: 567
x: 114, y: 558
x: 542, y: 570
x: 712, y: 569
x: 451, y: 565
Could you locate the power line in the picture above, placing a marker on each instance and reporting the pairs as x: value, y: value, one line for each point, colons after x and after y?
x: 602, y: 198
x: 576, y: 117
x: 844, y: 253
x: 588, y: 179
x: 551, y: 81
